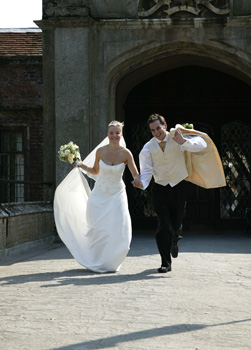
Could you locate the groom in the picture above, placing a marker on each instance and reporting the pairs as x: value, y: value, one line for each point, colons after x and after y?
x: 163, y: 158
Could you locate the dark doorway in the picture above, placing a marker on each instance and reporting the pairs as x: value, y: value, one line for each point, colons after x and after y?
x: 216, y: 103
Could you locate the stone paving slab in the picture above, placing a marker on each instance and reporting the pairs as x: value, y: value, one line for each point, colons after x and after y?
x: 49, y: 301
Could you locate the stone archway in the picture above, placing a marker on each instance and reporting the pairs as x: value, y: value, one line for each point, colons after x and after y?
x: 128, y: 74
x: 205, y: 206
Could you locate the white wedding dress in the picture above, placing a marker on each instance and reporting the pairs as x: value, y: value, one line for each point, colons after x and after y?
x: 94, y: 225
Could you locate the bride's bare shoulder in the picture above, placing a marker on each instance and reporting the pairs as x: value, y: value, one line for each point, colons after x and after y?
x: 102, y: 150
x: 126, y: 150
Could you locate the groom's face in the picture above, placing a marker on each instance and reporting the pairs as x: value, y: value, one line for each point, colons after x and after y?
x: 158, y: 130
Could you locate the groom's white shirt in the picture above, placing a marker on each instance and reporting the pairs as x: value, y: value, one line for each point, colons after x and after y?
x: 154, y: 162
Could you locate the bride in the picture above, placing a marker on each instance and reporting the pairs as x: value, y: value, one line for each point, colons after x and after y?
x: 95, y: 225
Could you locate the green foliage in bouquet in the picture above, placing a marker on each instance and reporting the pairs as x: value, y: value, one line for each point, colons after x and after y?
x: 187, y: 125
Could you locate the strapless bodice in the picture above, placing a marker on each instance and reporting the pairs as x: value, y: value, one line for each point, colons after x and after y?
x: 110, y: 178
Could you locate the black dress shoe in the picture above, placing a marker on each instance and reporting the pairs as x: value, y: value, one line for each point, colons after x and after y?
x: 175, y: 250
x: 175, y: 247
x: 164, y: 269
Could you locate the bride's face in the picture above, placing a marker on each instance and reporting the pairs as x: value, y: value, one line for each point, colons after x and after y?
x: 114, y: 134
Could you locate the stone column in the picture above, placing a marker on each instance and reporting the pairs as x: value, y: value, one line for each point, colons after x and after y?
x: 72, y: 75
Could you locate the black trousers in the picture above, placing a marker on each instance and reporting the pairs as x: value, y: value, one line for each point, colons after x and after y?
x: 169, y: 204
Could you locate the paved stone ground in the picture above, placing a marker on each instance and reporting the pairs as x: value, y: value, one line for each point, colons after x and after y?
x: 48, y: 301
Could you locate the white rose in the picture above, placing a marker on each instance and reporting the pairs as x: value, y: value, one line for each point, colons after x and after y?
x: 70, y: 158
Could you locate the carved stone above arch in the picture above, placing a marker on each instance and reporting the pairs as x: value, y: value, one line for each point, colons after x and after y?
x: 183, y: 8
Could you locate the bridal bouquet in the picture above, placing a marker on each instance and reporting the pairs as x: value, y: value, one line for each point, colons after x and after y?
x: 69, y: 153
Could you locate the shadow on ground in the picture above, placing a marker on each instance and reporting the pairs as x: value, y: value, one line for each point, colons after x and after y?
x: 115, y: 341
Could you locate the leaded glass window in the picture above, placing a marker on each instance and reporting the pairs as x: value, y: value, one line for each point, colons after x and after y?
x: 11, y: 166
x: 236, y: 150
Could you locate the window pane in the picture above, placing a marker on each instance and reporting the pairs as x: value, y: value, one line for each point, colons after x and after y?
x: 19, y: 142
x: 5, y: 142
x: 19, y: 176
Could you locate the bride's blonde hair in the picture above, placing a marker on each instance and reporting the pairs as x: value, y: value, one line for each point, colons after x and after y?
x: 116, y: 123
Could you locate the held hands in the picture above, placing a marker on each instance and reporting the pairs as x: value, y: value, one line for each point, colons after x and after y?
x: 137, y: 182
x: 178, y: 137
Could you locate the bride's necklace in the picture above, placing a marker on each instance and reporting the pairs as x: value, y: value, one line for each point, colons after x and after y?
x: 114, y: 151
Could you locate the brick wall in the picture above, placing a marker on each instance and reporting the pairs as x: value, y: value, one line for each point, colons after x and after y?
x: 20, y: 86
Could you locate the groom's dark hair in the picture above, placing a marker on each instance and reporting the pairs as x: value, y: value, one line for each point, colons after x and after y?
x: 154, y: 117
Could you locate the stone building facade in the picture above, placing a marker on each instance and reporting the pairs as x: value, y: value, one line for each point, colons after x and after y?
x: 188, y: 60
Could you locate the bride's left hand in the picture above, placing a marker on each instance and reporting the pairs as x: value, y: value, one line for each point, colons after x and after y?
x: 137, y: 183
x: 78, y: 163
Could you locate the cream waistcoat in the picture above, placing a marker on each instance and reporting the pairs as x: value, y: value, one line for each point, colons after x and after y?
x: 168, y: 166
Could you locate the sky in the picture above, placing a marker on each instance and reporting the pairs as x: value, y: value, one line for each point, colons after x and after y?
x: 20, y: 13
